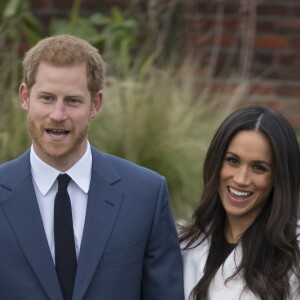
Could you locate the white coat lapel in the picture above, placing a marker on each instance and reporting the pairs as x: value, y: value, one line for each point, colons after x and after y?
x: 234, y: 288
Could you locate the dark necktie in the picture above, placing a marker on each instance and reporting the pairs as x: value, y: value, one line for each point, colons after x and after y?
x: 65, y: 255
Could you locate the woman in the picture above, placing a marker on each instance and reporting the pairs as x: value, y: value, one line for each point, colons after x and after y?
x: 243, y: 242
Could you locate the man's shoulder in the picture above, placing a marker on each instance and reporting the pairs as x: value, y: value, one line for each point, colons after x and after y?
x: 125, y: 167
x: 15, y: 167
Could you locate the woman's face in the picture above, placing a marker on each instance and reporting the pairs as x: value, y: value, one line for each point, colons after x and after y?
x: 246, y: 176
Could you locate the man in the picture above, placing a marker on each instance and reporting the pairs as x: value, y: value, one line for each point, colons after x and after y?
x: 114, y: 236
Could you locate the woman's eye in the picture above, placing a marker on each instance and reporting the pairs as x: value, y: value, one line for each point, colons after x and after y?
x: 231, y: 160
x: 259, y: 168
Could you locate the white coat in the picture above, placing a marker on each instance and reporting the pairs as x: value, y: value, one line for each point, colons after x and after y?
x: 193, y: 269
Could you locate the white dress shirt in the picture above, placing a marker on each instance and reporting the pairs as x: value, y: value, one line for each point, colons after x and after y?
x: 45, y: 185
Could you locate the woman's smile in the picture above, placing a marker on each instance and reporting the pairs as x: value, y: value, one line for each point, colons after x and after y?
x: 246, y: 175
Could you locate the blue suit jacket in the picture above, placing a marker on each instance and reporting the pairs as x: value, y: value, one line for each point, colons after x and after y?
x: 129, y: 247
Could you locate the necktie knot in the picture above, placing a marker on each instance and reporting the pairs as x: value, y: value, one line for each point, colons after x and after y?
x: 63, y: 181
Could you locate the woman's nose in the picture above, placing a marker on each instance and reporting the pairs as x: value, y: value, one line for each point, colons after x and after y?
x: 241, y: 176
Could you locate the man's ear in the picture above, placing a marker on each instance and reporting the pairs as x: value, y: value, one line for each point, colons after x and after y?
x: 96, y: 103
x: 24, y: 96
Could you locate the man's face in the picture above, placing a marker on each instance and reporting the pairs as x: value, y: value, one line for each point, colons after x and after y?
x: 59, y: 109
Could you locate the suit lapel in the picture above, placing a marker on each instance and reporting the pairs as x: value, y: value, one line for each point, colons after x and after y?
x: 18, y: 201
x: 102, y: 210
x: 21, y: 209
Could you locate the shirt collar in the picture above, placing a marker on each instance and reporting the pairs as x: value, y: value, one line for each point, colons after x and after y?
x: 80, y: 172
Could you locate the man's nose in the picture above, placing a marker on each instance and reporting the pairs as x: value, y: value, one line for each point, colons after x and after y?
x: 58, y: 112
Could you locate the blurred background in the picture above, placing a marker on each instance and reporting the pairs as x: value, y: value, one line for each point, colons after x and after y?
x: 176, y: 68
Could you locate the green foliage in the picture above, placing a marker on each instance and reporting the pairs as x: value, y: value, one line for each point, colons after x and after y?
x: 16, y: 24
x: 157, y: 119
x: 76, y: 25
x: 119, y: 35
x: 154, y: 123
x: 13, y: 134
x: 18, y: 21
x: 114, y: 34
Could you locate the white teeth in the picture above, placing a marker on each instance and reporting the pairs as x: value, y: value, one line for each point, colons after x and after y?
x: 238, y: 193
x: 57, y: 131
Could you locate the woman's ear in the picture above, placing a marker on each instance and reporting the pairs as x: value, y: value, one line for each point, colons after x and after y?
x: 24, y: 96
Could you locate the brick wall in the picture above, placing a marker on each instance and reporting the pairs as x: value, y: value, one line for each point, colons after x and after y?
x: 47, y: 9
x: 272, y: 48
x: 252, y: 41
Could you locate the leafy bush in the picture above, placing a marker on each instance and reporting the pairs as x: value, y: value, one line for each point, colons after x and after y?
x: 13, y: 133
x: 158, y: 117
x: 154, y: 122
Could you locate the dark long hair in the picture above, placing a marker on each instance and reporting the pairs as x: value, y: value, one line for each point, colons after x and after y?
x: 270, y: 247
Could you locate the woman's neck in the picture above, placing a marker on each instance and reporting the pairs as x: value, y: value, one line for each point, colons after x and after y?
x: 234, y: 229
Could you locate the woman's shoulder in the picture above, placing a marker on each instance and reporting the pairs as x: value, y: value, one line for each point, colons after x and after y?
x: 298, y: 232
x: 196, y: 250
x: 194, y: 257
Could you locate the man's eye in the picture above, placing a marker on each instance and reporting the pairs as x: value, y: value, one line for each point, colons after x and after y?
x: 72, y: 100
x: 46, y: 97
